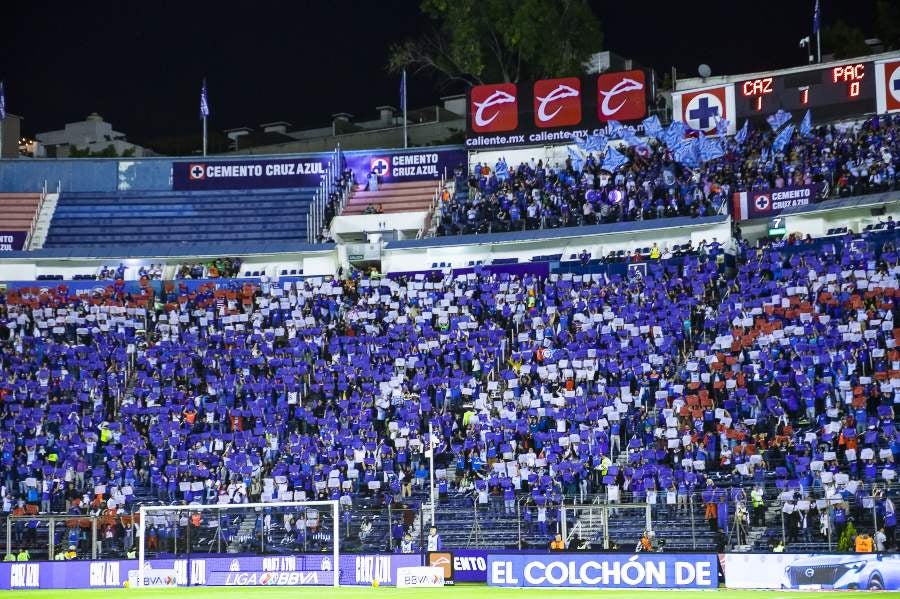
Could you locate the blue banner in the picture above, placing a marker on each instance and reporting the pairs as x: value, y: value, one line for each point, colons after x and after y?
x: 273, y: 173
x: 767, y: 203
x: 12, y: 241
x: 397, y: 166
x: 281, y: 570
x: 613, y: 571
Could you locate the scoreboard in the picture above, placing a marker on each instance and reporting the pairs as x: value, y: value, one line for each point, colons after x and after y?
x: 830, y: 92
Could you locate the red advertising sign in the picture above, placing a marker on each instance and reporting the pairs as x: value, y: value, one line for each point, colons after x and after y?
x: 494, y: 107
x: 621, y: 96
x: 557, y: 102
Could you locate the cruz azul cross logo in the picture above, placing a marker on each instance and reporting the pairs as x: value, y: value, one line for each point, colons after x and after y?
x: 380, y: 166
x: 557, y: 102
x: 892, y: 82
x: 761, y: 202
x: 621, y: 96
x: 494, y: 107
x: 197, y: 172
x: 701, y: 109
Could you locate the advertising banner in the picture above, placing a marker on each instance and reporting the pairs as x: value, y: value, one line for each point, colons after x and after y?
x: 293, y: 570
x: 767, y: 203
x: 398, y: 166
x: 805, y: 571
x: 613, y: 571
x: 461, y: 565
x: 272, y: 173
x: 151, y: 577
x: 554, y: 110
x: 887, y: 85
x: 12, y: 241
x: 701, y: 109
x: 419, y: 576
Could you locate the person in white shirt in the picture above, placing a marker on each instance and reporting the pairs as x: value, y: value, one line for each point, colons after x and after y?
x: 880, y: 540
x: 434, y: 540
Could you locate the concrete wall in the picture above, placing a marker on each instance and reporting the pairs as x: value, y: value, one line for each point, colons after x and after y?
x: 424, y: 134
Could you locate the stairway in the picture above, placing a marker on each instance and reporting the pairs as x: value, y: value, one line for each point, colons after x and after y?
x: 42, y: 226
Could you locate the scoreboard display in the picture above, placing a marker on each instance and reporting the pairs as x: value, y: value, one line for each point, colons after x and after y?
x: 829, y: 92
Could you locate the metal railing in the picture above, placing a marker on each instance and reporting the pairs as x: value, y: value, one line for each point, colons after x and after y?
x: 36, y: 217
x: 427, y: 230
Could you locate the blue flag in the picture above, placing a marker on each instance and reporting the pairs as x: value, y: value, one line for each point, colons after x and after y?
x: 722, y: 127
x: 2, y: 102
x: 613, y: 128
x: 403, y: 92
x: 675, y: 133
x: 630, y: 138
x: 652, y: 127
x: 806, y: 124
x: 576, y: 158
x: 709, y: 149
x: 204, y: 102
x: 783, y: 138
x: 686, y: 153
x: 817, y: 16
x: 741, y: 136
x: 592, y: 143
x: 614, y: 160
x: 778, y: 119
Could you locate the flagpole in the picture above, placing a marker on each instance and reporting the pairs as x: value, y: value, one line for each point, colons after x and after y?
x: 819, y: 43
x: 204, y: 136
x: 1, y: 137
x: 405, y: 138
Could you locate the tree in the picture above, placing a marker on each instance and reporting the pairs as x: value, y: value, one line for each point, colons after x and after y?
x: 887, y: 22
x: 843, y: 40
x: 484, y: 41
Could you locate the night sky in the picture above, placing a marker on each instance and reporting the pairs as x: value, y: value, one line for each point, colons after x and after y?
x: 139, y: 64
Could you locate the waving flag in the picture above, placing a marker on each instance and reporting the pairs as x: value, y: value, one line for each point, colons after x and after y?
x: 817, y: 16
x: 652, y: 127
x: 783, y: 138
x: 741, y: 136
x: 806, y: 124
x: 613, y: 128
x: 592, y: 143
x: 778, y: 119
x: 686, y: 153
x: 675, y: 133
x: 576, y: 158
x: 709, y: 149
x: 2, y: 102
x: 204, y: 102
x: 614, y: 160
x: 722, y: 127
x: 630, y: 138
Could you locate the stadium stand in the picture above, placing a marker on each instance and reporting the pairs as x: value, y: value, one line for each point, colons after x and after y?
x: 128, y: 218
x: 849, y: 159
x: 695, y: 382
x: 19, y: 210
x: 391, y: 197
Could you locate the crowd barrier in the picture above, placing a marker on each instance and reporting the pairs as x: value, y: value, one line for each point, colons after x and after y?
x: 507, y: 569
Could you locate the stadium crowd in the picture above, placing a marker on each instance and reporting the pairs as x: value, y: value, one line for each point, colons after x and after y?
x: 684, y: 381
x: 846, y: 160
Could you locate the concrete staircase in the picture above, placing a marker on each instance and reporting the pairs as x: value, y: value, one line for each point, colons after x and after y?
x: 42, y: 226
